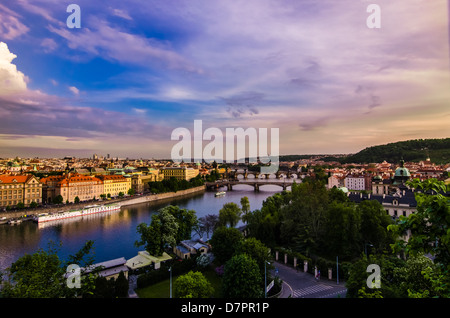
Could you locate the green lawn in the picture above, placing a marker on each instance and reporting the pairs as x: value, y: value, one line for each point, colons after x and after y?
x: 162, y: 289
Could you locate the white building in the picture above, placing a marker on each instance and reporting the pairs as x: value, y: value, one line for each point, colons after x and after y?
x: 354, y: 182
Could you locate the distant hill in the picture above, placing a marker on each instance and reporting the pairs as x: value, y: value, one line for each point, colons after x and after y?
x: 438, y: 150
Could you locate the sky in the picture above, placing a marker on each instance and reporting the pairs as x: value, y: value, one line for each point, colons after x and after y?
x: 136, y: 70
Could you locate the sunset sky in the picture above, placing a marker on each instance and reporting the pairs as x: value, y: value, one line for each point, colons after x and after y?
x: 136, y: 70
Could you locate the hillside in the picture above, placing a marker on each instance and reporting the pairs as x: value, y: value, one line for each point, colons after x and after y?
x: 438, y: 150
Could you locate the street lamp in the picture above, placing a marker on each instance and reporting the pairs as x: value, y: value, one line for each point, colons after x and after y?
x: 265, y: 278
x: 365, y: 247
x: 170, y: 271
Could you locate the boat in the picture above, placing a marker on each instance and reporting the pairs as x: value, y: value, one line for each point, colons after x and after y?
x: 218, y: 194
x: 14, y: 221
x: 87, y: 210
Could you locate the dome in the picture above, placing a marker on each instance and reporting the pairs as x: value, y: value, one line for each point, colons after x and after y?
x: 401, y: 174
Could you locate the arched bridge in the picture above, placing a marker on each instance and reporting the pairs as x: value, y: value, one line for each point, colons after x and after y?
x: 255, y: 183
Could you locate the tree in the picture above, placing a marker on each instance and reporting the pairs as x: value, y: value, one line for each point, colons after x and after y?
x: 42, y: 275
x: 230, y: 214
x: 374, y: 225
x: 224, y: 243
x: 192, y: 285
x: 58, y: 199
x: 256, y: 250
x: 161, y: 232
x: 77, y: 199
x: 186, y: 219
x: 304, y: 218
x: 242, y: 278
x: 131, y: 191
x: 121, y: 194
x: 206, y: 225
x: 429, y: 232
x: 33, y: 204
x: 245, y: 205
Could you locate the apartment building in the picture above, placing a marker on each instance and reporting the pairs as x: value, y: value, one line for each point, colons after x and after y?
x: 19, y: 189
x: 180, y: 173
x: 70, y: 186
x: 115, y: 184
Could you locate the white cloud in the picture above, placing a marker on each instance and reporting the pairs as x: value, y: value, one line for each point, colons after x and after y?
x: 122, y: 14
x: 12, y: 81
x: 74, y: 90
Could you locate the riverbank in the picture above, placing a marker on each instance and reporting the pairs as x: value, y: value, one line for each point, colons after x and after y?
x: 126, y: 201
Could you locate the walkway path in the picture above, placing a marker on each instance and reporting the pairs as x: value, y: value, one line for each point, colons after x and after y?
x: 299, y: 284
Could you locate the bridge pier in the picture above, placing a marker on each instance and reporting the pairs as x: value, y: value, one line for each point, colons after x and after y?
x: 229, y: 187
x: 256, y: 187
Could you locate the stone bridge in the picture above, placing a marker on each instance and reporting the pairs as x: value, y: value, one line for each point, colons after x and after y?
x: 255, y: 183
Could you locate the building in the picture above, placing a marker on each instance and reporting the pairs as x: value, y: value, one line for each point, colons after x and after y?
x: 335, y: 181
x: 188, y: 247
x: 180, y: 173
x: 139, y: 182
x: 23, y: 189
x: 353, y: 182
x: 115, y: 184
x: 70, y: 186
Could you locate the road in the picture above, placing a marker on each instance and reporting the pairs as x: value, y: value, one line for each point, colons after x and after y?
x: 303, y: 285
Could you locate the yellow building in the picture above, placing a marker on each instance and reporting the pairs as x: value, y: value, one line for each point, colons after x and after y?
x: 114, y: 184
x: 180, y: 173
x: 19, y: 189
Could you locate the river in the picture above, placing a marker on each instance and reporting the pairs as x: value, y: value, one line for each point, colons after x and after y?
x: 113, y: 233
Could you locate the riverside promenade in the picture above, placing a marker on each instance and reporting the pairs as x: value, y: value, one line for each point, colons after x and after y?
x: 125, y: 201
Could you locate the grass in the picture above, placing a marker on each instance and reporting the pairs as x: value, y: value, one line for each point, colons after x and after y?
x: 162, y: 289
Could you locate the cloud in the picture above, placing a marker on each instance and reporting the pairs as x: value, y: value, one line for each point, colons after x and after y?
x: 102, y: 40
x: 10, y: 26
x: 244, y: 103
x: 74, y: 90
x: 49, y: 45
x: 12, y: 81
x: 122, y: 14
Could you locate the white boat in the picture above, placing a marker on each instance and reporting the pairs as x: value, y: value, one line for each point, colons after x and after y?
x: 87, y: 210
x: 218, y: 194
x: 14, y: 221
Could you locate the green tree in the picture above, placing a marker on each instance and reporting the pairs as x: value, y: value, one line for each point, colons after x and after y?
x: 374, y: 226
x: 77, y: 199
x: 192, y: 285
x: 242, y: 278
x: 58, y: 199
x: 245, y: 205
x: 121, y: 286
x: 186, y: 219
x: 224, y: 242
x: 256, y: 250
x: 230, y: 214
x: 42, y: 275
x: 429, y: 232
x: 131, y: 191
x: 161, y: 232
x: 304, y: 218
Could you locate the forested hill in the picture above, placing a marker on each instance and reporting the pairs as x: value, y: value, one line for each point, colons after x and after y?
x: 438, y: 150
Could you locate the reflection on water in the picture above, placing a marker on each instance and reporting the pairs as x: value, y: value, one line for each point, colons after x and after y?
x: 113, y: 233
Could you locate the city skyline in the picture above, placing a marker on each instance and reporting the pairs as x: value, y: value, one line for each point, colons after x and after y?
x: 134, y: 72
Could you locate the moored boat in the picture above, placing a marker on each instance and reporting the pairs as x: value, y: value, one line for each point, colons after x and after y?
x: 87, y: 210
x: 221, y: 193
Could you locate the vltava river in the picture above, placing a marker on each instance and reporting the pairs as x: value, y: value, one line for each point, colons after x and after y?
x: 113, y: 233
